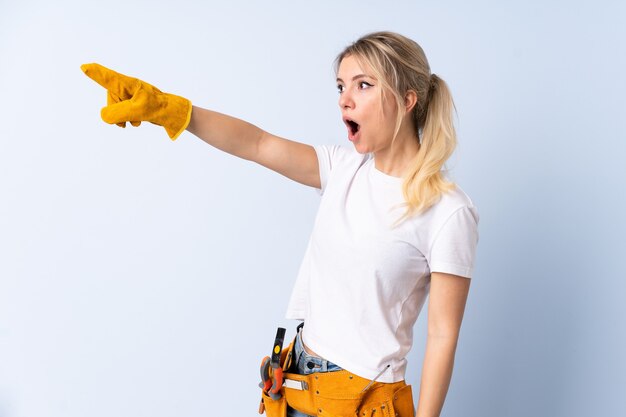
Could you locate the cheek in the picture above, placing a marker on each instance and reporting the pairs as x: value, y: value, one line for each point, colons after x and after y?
x: 390, y: 109
x: 376, y: 111
x: 390, y: 106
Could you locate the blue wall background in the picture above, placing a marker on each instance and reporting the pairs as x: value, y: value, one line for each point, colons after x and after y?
x: 140, y: 276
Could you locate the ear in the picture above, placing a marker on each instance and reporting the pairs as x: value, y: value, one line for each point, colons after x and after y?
x: 410, y: 99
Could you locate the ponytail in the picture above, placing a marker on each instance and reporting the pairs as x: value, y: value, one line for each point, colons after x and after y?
x: 424, y: 183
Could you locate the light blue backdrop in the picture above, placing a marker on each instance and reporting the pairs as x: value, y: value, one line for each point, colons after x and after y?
x: 145, y: 277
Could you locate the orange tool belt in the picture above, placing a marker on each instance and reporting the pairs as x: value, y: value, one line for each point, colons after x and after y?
x: 337, y: 394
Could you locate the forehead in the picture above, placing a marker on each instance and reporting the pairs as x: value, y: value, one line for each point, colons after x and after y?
x: 350, y: 66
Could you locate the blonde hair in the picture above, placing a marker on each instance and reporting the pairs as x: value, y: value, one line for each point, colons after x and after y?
x: 400, y: 65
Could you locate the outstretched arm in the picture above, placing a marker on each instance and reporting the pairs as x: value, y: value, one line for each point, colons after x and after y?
x: 294, y: 160
x: 448, y: 294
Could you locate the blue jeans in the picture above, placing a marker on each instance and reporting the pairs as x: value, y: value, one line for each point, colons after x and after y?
x: 305, y: 364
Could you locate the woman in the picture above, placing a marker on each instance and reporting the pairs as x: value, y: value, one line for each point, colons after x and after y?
x: 389, y: 231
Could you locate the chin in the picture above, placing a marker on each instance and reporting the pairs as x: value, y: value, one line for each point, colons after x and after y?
x: 360, y: 148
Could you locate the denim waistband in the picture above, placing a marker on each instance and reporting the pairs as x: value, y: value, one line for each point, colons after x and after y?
x: 308, y: 364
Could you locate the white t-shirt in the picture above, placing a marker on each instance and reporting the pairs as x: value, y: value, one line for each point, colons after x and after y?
x: 362, y: 284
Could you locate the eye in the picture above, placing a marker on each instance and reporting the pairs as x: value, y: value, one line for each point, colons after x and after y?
x: 366, y: 83
x: 339, y: 88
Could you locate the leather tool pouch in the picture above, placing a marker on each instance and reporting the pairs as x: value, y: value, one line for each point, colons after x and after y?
x: 338, y: 394
x: 274, y: 408
x: 278, y: 408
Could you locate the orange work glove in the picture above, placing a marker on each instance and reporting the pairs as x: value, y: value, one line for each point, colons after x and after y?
x: 132, y: 100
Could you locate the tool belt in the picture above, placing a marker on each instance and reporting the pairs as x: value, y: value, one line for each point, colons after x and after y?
x: 336, y: 394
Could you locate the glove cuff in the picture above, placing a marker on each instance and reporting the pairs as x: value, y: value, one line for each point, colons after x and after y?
x: 178, y: 115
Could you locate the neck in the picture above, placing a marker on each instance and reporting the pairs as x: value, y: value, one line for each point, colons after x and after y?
x: 394, y: 159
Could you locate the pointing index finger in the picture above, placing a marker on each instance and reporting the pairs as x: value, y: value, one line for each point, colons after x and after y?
x: 119, y: 84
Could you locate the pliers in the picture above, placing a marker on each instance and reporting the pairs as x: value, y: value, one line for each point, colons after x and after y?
x: 271, y: 371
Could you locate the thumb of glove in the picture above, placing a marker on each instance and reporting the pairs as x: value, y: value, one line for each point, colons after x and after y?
x: 112, y: 99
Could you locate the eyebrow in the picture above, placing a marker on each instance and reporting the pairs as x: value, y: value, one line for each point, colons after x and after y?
x: 356, y: 77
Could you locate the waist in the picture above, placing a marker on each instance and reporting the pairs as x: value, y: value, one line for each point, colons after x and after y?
x: 362, y: 353
x: 309, y: 351
x: 300, y: 346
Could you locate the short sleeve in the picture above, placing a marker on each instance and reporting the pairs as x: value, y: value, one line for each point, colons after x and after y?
x: 453, y: 250
x: 327, y: 156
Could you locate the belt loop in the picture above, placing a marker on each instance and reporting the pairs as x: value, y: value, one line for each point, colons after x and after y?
x: 298, y: 347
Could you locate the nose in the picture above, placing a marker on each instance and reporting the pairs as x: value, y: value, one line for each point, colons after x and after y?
x: 345, y: 100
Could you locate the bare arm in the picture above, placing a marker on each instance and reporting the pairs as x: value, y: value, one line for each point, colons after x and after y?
x: 294, y: 160
x: 448, y: 295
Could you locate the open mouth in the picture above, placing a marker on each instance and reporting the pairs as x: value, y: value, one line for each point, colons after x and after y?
x: 352, y: 126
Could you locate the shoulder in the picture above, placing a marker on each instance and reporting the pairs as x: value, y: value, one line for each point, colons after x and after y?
x: 331, y: 156
x: 455, y: 199
x: 453, y: 204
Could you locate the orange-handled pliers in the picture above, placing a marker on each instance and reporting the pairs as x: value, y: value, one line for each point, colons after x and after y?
x: 271, y: 371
